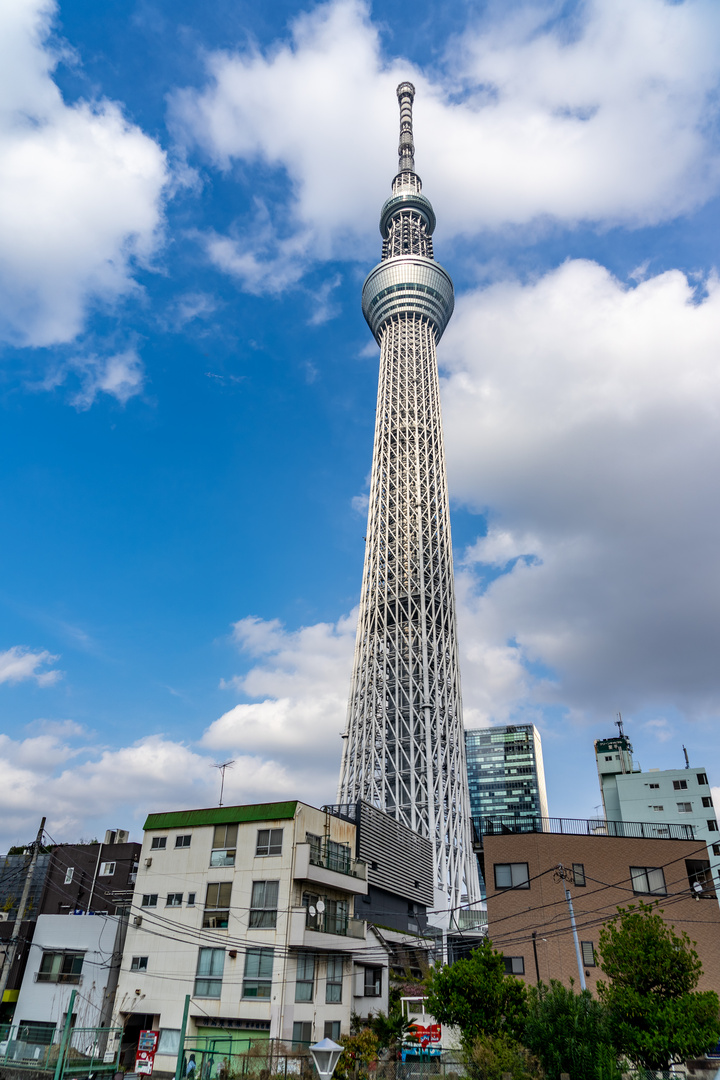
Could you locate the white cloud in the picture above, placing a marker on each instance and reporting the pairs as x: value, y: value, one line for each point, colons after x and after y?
x: 80, y: 190
x: 584, y: 415
x: 614, y: 124
x: 19, y: 663
x: 120, y: 376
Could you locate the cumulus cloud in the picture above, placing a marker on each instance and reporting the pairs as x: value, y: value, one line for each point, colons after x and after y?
x: 611, y: 124
x: 19, y: 663
x: 80, y: 190
x: 582, y: 416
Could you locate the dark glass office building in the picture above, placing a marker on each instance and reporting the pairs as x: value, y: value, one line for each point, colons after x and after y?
x: 505, y: 773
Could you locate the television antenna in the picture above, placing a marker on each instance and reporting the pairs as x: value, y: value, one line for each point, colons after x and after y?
x: 222, y: 766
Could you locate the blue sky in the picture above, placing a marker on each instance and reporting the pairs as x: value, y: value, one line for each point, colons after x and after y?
x: 189, y: 204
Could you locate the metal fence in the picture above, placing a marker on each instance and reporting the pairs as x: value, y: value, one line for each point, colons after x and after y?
x: 39, y: 1046
x: 499, y: 824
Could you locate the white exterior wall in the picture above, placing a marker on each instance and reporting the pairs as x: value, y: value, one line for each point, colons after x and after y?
x: 95, y: 935
x: 170, y: 937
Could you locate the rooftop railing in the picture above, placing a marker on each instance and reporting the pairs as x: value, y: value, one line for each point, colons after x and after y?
x: 502, y: 824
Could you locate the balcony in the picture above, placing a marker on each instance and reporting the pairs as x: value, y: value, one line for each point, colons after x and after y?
x: 330, y: 870
x: 502, y: 824
x: 325, y: 931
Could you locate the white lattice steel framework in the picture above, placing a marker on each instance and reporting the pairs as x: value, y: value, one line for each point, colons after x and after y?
x: 404, y: 748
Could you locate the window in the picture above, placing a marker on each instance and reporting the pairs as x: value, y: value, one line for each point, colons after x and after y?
x: 647, y: 879
x: 702, y: 778
x: 680, y: 785
x: 332, y: 1030
x: 158, y: 842
x: 707, y: 800
x: 656, y: 787
x: 578, y: 874
x: 334, y: 984
x: 183, y: 841
x: 588, y: 953
x: 336, y: 916
x: 305, y: 980
x: 302, y: 1033
x: 169, y: 1041
x: 60, y: 967
x: 313, y: 920
x: 208, y: 979
x: 608, y: 757
x: 699, y: 873
x: 373, y: 981
x: 716, y: 849
x: 37, y: 1032
x: 224, y: 845
x: 712, y: 825
x: 149, y: 899
x: 658, y: 809
x: 684, y: 808
x: 511, y: 876
x: 107, y: 869
x: 217, y: 906
x: 174, y: 899
x: 315, y: 843
x: 337, y: 857
x: 257, y: 980
x: 269, y: 842
x: 139, y: 963
x: 69, y: 874
x: 514, y: 965
x: 263, y: 905
x: 191, y: 899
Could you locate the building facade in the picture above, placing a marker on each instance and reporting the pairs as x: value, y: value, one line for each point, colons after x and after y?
x: 528, y: 911
x: 506, y: 775
x: 248, y: 910
x: 404, y: 749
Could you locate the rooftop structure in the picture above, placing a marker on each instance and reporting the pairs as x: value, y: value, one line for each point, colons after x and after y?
x: 404, y: 749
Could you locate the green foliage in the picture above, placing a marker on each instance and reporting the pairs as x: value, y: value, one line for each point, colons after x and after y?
x: 359, y: 1051
x: 569, y: 1033
x: 655, y: 1015
x: 390, y: 1029
x: 492, y: 1057
x: 477, y: 996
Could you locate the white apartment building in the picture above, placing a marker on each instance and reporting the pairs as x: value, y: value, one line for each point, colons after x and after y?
x: 248, y: 909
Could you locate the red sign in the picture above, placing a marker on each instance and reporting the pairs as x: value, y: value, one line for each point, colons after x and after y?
x: 145, y: 1056
x: 426, y: 1034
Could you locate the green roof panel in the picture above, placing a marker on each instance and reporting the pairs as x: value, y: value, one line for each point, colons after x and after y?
x: 222, y: 815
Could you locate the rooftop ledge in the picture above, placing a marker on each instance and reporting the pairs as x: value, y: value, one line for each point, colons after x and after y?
x: 502, y: 824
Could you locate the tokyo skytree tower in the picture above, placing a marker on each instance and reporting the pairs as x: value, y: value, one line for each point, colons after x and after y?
x: 404, y: 747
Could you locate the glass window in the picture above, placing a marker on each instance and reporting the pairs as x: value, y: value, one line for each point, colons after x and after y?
x: 107, y: 869
x: 707, y: 800
x: 269, y: 842
x: 702, y: 778
x: 183, y: 841
x: 305, y: 980
x: 315, y: 843
x: 716, y: 849
x: 514, y: 965
x: 334, y: 984
x: 263, y: 905
x: 257, y: 981
x: 373, y: 981
x: 224, y: 845
x: 700, y: 873
x: 578, y: 869
x: 158, y: 842
x: 217, y: 905
x: 684, y: 807
x: 313, y: 919
x: 191, y: 899
x: 656, y: 786
x: 511, y: 876
x: 335, y: 916
x: 302, y: 1033
x: 149, y: 899
x: 169, y: 1041
x: 337, y: 857
x: 648, y: 879
x: 679, y: 785
x: 658, y: 809
x: 139, y: 963
x: 332, y: 1030
x: 712, y: 825
x: 60, y: 967
x: 69, y: 874
x: 36, y: 1032
x: 588, y: 953
x: 174, y: 899
x: 208, y: 979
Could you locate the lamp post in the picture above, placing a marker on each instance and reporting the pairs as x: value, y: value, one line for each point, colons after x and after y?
x: 326, y: 1055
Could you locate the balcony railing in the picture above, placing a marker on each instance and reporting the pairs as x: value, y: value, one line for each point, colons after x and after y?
x: 337, y: 858
x: 502, y: 824
x: 327, y: 922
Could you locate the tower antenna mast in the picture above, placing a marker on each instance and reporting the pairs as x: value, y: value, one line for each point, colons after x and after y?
x: 222, y: 767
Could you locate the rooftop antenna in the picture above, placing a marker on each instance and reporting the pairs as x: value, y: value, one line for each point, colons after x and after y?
x: 222, y: 767
x: 619, y: 725
x: 687, y: 759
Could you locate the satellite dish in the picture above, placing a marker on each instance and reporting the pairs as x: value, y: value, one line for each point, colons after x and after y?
x: 320, y: 906
x: 312, y: 910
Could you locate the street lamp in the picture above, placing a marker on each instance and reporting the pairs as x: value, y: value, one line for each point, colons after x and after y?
x: 326, y: 1055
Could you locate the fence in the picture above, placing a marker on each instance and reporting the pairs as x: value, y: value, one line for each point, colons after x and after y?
x: 38, y: 1046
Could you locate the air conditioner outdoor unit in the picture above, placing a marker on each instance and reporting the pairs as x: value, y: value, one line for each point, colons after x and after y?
x: 4, y: 916
x: 137, y: 921
x: 148, y: 861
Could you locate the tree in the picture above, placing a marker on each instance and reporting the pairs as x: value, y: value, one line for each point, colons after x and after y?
x: 476, y: 995
x: 391, y: 1029
x: 655, y: 1014
x: 569, y: 1033
x: 493, y: 1057
x: 359, y: 1051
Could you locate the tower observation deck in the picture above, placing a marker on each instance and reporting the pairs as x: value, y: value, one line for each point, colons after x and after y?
x: 404, y: 747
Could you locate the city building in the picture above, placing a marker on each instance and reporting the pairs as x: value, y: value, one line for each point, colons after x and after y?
x: 249, y: 910
x: 506, y: 776
x: 660, y: 797
x: 528, y: 873
x: 404, y: 747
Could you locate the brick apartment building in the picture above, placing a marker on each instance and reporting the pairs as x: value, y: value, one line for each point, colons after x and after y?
x: 528, y: 913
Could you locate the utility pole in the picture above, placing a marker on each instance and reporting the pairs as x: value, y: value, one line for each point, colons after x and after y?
x: 14, y: 940
x: 563, y: 874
